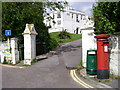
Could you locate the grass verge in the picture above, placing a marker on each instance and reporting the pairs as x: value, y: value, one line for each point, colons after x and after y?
x: 73, y: 37
x: 32, y: 62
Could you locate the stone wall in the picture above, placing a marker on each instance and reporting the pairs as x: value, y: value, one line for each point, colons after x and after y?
x: 114, y: 48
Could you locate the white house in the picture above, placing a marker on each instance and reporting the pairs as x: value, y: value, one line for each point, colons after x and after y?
x: 69, y: 19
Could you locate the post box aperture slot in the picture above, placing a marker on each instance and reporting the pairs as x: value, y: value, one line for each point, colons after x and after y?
x: 106, y: 43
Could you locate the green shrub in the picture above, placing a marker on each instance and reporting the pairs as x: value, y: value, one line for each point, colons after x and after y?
x: 33, y: 61
x: 81, y: 63
x: 73, y: 37
x: 5, y: 62
x: 53, y: 43
x: 64, y: 35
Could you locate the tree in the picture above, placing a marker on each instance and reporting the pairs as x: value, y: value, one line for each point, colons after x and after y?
x: 15, y: 15
x: 107, y: 17
x: 0, y: 21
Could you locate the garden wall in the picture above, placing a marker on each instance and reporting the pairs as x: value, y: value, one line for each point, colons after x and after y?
x: 114, y: 54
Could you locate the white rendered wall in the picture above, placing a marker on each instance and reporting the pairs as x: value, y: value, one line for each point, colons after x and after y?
x: 88, y: 43
x: 50, y: 30
x: 67, y: 22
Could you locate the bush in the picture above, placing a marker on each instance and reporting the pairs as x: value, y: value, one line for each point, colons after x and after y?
x: 64, y: 35
x: 44, y: 47
x: 53, y: 43
x: 73, y: 37
x: 5, y: 62
x: 44, y: 42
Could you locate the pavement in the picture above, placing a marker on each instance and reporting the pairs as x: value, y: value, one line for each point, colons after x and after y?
x: 52, y: 72
x: 113, y: 84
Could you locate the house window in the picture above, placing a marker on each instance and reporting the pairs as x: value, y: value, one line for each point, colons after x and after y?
x: 54, y: 23
x: 77, y: 18
x: 81, y: 17
x: 58, y: 15
x: 58, y: 22
x: 72, y: 15
x: 53, y: 16
x: 77, y: 29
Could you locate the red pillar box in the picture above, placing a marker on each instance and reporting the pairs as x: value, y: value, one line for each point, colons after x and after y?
x: 102, y: 56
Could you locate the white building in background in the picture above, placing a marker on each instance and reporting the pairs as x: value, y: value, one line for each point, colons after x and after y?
x: 71, y: 20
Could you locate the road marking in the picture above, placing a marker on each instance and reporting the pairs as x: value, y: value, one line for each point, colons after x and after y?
x: 11, y: 66
x: 71, y: 73
x: 82, y: 81
x: 75, y: 77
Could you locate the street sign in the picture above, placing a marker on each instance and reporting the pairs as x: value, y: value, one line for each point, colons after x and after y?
x: 8, y: 56
x: 7, y: 32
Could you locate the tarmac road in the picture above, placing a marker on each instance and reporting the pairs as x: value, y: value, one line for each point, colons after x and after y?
x: 48, y: 73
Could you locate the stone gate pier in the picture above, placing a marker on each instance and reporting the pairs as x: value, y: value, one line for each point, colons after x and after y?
x: 29, y: 43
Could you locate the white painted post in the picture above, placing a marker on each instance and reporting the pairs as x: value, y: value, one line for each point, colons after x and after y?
x: 88, y: 42
x: 14, y: 50
x: 29, y: 43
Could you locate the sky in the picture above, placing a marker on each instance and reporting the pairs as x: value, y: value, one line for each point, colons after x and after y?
x: 82, y: 5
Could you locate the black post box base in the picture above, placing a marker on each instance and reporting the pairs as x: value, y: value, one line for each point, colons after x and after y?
x: 103, y: 73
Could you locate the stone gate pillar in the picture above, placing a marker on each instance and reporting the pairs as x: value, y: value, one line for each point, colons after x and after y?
x: 29, y: 43
x: 14, y: 50
x: 88, y: 42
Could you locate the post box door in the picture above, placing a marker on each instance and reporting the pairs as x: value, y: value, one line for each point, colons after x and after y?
x: 105, y: 44
x: 105, y: 48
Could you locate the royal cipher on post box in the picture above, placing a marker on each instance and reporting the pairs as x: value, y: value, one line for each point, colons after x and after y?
x: 102, y: 56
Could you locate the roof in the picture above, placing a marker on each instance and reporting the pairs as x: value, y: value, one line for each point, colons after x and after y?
x: 77, y: 11
x: 88, y: 28
x: 71, y: 10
